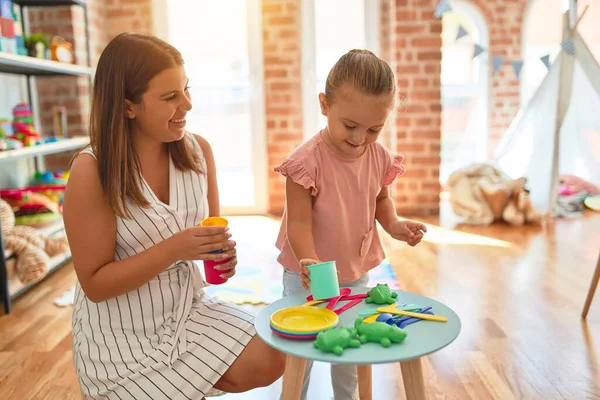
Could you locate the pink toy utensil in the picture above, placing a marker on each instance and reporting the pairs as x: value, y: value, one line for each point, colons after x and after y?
x: 347, y: 306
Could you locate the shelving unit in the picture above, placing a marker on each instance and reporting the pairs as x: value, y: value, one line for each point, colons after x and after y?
x: 30, y: 67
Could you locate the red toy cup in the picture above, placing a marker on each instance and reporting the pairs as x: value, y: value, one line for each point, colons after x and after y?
x: 213, y: 275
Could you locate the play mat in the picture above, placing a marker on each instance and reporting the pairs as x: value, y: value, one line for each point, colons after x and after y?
x: 259, y: 282
x: 258, y: 279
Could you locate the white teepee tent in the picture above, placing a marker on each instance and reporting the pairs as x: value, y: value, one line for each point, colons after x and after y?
x: 553, y: 134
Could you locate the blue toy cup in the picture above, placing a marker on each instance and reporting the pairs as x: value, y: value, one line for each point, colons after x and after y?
x: 324, y: 282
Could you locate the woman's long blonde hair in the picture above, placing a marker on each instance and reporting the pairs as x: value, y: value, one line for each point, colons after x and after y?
x: 124, y: 69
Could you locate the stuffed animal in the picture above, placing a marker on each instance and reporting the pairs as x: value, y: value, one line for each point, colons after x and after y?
x: 519, y: 209
x: 482, y: 194
x: 32, y: 248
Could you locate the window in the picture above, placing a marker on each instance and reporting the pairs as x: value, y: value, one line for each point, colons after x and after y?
x: 226, y: 80
x: 340, y: 25
x: 465, y: 88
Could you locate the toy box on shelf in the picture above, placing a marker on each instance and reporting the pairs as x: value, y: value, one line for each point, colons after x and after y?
x: 19, y: 36
x: 8, y: 30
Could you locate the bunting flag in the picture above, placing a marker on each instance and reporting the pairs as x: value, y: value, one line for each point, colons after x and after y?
x: 517, y: 66
x: 497, y: 62
x: 546, y: 60
x: 567, y: 46
x: 477, y: 50
x: 442, y: 7
x: 461, y: 32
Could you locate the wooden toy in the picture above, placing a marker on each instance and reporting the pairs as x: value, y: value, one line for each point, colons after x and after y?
x: 6, y: 8
x: 18, y: 27
x: 8, y: 44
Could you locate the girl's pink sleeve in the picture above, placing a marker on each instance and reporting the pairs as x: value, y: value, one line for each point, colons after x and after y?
x: 298, y: 171
x: 394, y: 168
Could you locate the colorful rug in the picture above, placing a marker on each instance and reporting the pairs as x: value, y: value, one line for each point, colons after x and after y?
x: 258, y: 277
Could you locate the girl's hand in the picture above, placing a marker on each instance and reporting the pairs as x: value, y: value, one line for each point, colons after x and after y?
x: 197, y: 243
x: 304, y: 274
x: 408, y: 231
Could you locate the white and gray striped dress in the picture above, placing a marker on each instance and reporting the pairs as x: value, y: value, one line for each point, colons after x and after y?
x: 166, y: 339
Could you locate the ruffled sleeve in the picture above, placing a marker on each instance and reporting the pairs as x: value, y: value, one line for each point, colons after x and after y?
x: 297, y: 171
x: 394, y: 169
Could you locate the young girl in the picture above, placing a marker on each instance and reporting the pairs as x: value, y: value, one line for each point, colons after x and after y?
x: 337, y: 187
x: 142, y: 326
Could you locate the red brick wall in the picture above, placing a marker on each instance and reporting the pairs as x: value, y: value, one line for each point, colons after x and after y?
x: 387, y: 24
x: 282, y: 60
x: 129, y: 16
x: 415, y: 54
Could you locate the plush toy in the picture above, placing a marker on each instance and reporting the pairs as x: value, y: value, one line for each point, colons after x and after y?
x: 482, y: 194
x: 32, y: 248
x: 519, y: 209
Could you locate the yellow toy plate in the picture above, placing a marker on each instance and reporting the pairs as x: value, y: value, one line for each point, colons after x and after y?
x: 592, y: 202
x: 303, y: 319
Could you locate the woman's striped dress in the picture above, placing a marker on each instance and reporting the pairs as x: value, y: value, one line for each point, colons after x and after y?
x: 166, y: 339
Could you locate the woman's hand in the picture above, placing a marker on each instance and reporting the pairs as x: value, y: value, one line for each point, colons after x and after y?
x: 198, y: 243
x: 304, y: 274
x: 228, y: 267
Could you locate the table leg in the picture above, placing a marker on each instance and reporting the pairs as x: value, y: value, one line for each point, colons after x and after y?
x: 592, y: 289
x: 293, y: 377
x: 412, y: 374
x: 365, y: 388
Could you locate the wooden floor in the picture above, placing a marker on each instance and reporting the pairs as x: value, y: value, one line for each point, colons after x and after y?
x: 518, y: 291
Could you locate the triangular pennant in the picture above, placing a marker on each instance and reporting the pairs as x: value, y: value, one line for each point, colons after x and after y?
x: 546, y: 60
x: 497, y: 62
x: 461, y: 32
x: 517, y: 66
x: 567, y: 46
x: 442, y: 7
x: 477, y: 50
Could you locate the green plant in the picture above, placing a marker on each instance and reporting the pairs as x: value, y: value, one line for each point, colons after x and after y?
x: 34, y: 38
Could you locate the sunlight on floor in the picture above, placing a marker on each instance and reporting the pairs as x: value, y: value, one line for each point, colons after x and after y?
x: 438, y: 235
x: 269, y: 227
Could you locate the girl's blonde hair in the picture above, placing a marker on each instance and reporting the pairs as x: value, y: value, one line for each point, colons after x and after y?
x: 124, y: 69
x: 363, y: 70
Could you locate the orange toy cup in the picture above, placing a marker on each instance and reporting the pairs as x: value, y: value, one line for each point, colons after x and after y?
x: 211, y: 274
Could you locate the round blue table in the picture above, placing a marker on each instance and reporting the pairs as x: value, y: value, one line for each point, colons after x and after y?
x: 424, y: 337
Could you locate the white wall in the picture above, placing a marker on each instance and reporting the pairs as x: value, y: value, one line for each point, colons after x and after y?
x: 13, y: 90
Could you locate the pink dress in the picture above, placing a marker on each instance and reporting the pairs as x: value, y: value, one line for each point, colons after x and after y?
x: 344, y: 199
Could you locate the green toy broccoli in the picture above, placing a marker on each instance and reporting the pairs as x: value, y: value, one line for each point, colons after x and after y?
x: 336, y: 340
x: 381, y: 294
x: 379, y: 332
